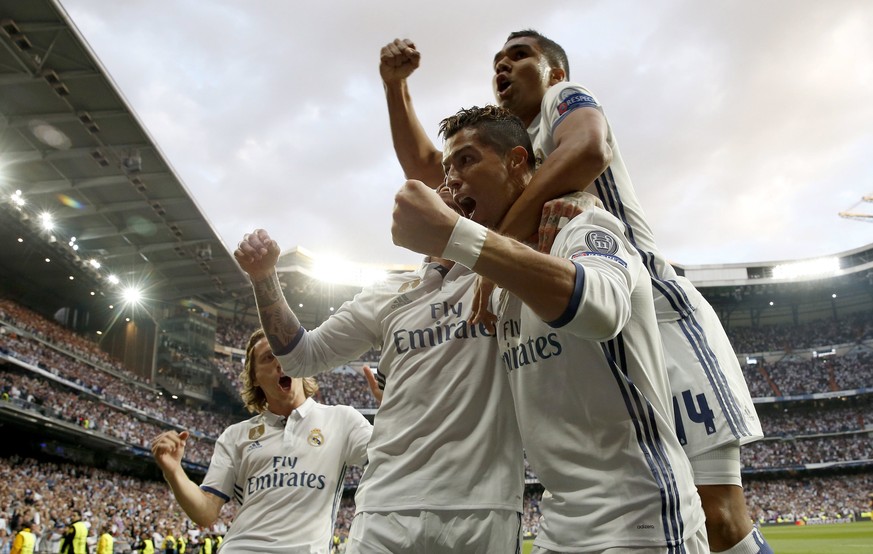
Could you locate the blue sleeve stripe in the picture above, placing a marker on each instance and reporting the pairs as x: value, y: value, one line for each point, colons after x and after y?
x: 293, y: 344
x: 575, y: 299
x: 216, y: 492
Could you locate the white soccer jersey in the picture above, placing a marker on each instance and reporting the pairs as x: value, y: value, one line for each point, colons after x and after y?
x: 445, y: 435
x: 593, y: 403
x: 288, y: 479
x: 712, y: 402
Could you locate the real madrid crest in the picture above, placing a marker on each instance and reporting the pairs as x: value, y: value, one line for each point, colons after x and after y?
x: 409, y: 285
x: 257, y: 431
x: 315, y: 438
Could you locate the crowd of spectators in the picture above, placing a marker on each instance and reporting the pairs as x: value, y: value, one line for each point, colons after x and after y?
x: 119, y: 396
x: 823, y: 499
x: 57, y: 402
x: 809, y: 500
x: 848, y: 329
x: 818, y: 417
x: 795, y: 375
x: 782, y: 453
x: 345, y: 386
x: 127, y: 392
x: 234, y: 333
x: 46, y: 493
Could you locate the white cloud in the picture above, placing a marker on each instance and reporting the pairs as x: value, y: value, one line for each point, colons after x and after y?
x: 748, y: 123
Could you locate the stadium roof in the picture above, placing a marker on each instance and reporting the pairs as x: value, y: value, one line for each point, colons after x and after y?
x: 73, y: 147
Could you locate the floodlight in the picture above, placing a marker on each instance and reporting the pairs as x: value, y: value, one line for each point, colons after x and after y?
x: 820, y: 266
x: 113, y: 279
x: 132, y: 295
x: 94, y: 263
x: 334, y: 270
x: 47, y: 223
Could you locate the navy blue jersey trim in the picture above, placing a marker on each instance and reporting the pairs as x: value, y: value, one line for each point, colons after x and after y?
x: 649, y: 440
x: 609, y: 195
x: 679, y: 302
x: 717, y: 380
x: 216, y: 492
x: 337, y: 497
x: 575, y: 299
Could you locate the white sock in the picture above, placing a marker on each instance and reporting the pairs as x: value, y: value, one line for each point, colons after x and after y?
x: 754, y: 543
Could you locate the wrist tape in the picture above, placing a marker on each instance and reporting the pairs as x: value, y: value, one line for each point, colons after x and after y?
x: 466, y: 242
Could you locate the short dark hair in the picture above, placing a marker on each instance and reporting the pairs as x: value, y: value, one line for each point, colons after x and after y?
x: 497, y: 127
x: 554, y: 52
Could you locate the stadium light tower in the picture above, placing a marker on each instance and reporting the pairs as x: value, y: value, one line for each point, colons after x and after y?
x: 856, y: 215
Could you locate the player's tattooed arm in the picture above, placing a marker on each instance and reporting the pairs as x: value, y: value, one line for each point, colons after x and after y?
x: 280, y: 324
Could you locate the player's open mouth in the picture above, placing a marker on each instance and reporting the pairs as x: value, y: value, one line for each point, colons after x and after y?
x: 285, y: 383
x: 467, y: 205
x: 503, y: 83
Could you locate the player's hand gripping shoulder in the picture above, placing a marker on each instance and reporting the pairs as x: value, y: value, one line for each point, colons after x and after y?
x: 422, y: 221
x: 257, y: 254
x: 558, y: 212
x: 397, y: 60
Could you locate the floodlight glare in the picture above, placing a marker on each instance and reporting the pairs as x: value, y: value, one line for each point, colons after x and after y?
x: 131, y: 295
x: 820, y: 266
x: 47, y: 222
x: 113, y: 279
x: 334, y: 270
x: 94, y: 263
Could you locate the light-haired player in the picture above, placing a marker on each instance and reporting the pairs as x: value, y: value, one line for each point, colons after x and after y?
x: 575, y: 148
x: 284, y: 466
x: 445, y: 471
x: 578, y: 338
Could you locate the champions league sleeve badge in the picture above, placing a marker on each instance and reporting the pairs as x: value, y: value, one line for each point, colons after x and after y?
x: 602, y: 244
x: 315, y: 438
x: 257, y: 431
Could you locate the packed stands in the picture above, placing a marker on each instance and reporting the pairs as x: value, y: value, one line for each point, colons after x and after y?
x: 815, y: 409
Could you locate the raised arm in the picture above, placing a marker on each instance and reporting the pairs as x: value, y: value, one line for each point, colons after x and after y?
x: 581, y: 154
x: 555, y: 288
x: 257, y: 255
x: 202, y: 507
x: 423, y: 223
x: 417, y: 155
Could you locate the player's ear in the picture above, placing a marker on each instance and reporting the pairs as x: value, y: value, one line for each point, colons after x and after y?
x: 518, y: 158
x: 556, y: 75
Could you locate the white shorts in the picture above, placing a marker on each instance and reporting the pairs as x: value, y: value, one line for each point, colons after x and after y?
x: 436, y: 532
x: 696, y: 544
x: 720, y: 466
x: 711, y: 401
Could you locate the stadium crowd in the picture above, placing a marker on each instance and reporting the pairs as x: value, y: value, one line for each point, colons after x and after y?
x: 44, y: 493
x: 853, y: 328
x: 41, y: 491
x: 793, y: 376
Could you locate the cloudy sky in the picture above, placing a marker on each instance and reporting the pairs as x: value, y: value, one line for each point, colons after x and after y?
x: 746, y: 125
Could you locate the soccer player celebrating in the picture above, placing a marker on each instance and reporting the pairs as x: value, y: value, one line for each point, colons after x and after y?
x: 575, y: 148
x: 578, y: 338
x: 285, y: 466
